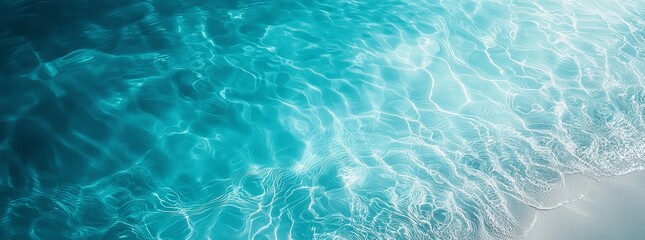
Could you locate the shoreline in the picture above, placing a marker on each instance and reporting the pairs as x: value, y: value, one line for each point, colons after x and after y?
x: 611, y: 208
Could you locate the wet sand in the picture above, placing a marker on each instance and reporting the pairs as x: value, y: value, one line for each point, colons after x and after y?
x: 613, y: 208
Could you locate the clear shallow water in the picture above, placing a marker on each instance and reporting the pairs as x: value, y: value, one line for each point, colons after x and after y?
x: 310, y: 119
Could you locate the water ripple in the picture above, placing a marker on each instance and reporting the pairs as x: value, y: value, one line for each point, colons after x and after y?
x: 311, y: 119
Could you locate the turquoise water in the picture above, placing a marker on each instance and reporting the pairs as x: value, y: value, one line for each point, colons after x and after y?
x: 255, y: 119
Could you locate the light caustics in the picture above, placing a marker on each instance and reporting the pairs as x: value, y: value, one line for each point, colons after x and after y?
x: 312, y: 119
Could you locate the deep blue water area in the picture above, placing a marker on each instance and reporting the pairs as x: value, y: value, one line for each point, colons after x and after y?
x: 312, y: 119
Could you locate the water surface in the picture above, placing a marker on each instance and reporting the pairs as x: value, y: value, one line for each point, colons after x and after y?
x: 258, y: 119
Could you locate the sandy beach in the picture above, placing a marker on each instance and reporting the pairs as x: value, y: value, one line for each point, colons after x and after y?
x: 613, y: 208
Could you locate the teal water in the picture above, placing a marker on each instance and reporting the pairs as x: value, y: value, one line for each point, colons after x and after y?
x: 259, y: 119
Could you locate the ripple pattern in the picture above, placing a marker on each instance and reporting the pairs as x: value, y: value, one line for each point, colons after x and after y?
x: 257, y: 119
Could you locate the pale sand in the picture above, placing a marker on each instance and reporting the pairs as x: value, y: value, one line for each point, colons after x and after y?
x: 612, y: 209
